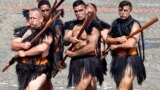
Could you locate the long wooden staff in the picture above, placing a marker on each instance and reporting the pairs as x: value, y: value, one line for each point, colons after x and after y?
x: 13, y: 60
x: 87, y: 20
x: 134, y: 33
x: 56, y: 5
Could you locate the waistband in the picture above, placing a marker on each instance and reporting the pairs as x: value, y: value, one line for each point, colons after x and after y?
x: 124, y: 52
x: 39, y: 61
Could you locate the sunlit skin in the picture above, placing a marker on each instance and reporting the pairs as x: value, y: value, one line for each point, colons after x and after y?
x: 80, y: 12
x: 35, y: 19
x: 45, y: 10
x: 90, y: 8
x: 124, y: 12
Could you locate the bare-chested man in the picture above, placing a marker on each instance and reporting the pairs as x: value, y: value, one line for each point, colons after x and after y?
x: 85, y: 69
x: 34, y: 67
x: 104, y: 29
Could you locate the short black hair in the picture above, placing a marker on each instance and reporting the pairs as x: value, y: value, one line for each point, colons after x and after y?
x: 78, y: 2
x: 125, y: 3
x: 44, y: 2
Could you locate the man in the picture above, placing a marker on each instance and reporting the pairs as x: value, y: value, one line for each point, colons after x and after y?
x: 56, y: 27
x: 35, y: 63
x: 85, y: 69
x: 104, y: 29
x: 126, y: 63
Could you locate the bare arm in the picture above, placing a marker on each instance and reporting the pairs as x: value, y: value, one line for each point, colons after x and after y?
x: 17, y: 44
x: 89, y: 48
x: 111, y: 40
x: 67, y: 36
x: 104, y: 34
x: 45, y: 45
x: 131, y: 42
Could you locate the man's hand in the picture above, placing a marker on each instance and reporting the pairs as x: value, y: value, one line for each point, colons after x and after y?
x: 113, y: 47
x: 26, y: 45
x: 74, y: 40
x: 70, y: 54
x: 21, y: 53
x: 122, y: 39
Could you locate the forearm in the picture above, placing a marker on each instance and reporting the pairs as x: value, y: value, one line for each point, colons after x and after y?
x: 111, y: 40
x: 36, y: 50
x: 17, y: 46
x: 86, y: 50
x: 128, y: 44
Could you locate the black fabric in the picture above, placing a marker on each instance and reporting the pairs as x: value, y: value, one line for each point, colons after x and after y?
x: 58, y: 30
x: 104, y: 66
x: 118, y: 66
x: 122, y: 27
x: 103, y: 24
x: 84, y: 66
x: 27, y: 72
x: 69, y: 25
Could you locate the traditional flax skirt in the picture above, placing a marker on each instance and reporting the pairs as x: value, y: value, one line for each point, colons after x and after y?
x: 104, y: 65
x: 127, y: 64
x: 28, y: 72
x: 84, y: 66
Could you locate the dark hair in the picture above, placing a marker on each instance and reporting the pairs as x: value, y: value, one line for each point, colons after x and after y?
x: 78, y: 2
x: 125, y: 3
x: 26, y: 13
x: 95, y: 7
x: 43, y: 2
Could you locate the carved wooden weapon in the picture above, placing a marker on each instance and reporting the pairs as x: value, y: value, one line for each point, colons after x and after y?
x: 134, y: 33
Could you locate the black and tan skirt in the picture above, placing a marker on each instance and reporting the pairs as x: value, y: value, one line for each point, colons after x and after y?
x: 133, y: 63
x: 84, y: 66
x: 27, y: 71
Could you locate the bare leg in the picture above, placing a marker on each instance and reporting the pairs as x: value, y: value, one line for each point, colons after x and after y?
x: 47, y: 85
x: 84, y: 83
x: 127, y: 81
x: 37, y: 83
x: 93, y: 84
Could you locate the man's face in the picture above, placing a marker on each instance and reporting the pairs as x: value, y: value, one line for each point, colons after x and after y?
x: 45, y: 10
x: 124, y: 12
x: 35, y: 19
x: 80, y: 12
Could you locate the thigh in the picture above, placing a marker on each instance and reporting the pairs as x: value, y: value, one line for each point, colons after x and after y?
x: 93, y: 84
x: 47, y: 85
x: 37, y: 83
x: 84, y: 83
x: 127, y: 80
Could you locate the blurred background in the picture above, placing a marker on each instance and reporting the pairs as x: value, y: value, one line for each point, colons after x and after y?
x: 143, y: 10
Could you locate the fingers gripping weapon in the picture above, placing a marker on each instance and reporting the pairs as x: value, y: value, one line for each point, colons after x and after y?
x: 13, y: 60
x: 134, y: 33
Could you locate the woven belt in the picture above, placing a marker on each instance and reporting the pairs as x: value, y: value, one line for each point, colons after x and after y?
x: 39, y: 61
x: 124, y: 52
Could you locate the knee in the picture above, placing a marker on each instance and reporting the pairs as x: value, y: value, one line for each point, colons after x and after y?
x: 124, y: 86
x: 32, y: 87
